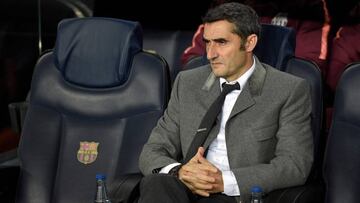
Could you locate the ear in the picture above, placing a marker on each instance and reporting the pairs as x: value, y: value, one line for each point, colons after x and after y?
x: 251, y: 42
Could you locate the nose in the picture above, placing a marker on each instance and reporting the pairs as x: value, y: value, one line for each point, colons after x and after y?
x: 211, y: 52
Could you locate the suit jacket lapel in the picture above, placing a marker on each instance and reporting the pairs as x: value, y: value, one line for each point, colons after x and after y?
x: 210, y: 90
x: 252, y: 88
x: 243, y: 102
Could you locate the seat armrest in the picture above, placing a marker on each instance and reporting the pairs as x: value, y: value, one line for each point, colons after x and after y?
x: 125, y: 189
x: 309, y: 193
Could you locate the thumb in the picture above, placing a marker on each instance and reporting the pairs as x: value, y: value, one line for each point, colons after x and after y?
x: 199, y: 155
x: 200, y: 152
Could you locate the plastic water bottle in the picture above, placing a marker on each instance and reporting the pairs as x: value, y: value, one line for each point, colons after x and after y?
x: 101, y: 192
x: 256, y: 194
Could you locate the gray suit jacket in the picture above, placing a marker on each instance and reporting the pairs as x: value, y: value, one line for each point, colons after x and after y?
x: 268, y: 135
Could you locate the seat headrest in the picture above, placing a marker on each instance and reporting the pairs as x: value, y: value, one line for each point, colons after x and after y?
x: 96, y: 52
x: 276, y: 45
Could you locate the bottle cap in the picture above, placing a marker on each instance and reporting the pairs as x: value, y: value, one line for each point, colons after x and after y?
x: 100, y: 176
x: 256, y: 189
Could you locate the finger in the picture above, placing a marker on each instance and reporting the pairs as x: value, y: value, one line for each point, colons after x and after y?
x: 206, y: 178
x: 202, y: 193
x: 192, y: 179
x: 201, y: 151
x: 199, y: 154
x: 216, y: 189
x: 195, y: 166
x: 203, y: 160
x: 195, y: 158
x: 190, y: 168
x: 198, y: 170
x: 206, y: 165
x: 197, y: 183
x: 188, y: 184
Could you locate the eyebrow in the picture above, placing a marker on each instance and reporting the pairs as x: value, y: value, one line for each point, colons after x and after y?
x: 215, y: 40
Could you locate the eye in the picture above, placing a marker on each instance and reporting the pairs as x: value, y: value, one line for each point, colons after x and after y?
x: 206, y: 41
x: 221, y: 42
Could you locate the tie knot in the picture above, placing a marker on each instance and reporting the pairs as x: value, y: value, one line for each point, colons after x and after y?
x: 230, y: 87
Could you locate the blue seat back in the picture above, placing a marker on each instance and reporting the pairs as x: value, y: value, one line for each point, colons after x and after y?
x: 342, y: 156
x: 93, y: 103
x: 276, y: 45
x: 170, y: 45
x: 312, y: 74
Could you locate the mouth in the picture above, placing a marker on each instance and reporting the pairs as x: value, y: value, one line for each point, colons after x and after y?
x: 215, y: 63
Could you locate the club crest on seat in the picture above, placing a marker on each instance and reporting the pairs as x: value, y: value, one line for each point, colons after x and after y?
x: 87, y: 152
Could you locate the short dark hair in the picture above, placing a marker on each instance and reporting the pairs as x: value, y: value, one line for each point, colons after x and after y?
x: 244, y: 18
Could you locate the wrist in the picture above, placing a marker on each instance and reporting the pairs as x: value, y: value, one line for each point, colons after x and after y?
x: 175, y: 171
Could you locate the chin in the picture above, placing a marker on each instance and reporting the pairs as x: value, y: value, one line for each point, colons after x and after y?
x: 218, y: 73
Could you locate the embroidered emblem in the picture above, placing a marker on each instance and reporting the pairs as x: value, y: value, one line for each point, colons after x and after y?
x: 87, y: 152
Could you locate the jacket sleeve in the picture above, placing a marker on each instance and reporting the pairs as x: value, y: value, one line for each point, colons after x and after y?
x: 163, y: 147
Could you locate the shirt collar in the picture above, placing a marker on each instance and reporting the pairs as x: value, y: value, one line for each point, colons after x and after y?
x: 243, y: 78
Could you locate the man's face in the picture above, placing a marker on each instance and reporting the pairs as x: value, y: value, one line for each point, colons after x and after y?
x: 223, y: 47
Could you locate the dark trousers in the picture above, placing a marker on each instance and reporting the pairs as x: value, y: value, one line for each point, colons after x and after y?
x: 163, y: 188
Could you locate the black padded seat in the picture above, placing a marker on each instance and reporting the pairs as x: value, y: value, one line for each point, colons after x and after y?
x: 93, y: 102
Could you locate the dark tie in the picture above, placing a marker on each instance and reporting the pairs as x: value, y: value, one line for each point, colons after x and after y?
x: 209, y: 120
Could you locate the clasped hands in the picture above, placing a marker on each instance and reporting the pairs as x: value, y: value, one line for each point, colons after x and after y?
x: 201, y: 176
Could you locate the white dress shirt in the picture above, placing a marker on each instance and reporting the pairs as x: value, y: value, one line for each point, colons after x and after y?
x: 217, y: 152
